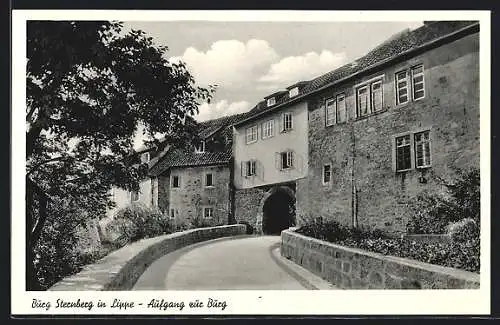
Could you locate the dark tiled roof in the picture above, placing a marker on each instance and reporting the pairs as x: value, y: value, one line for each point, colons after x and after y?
x: 392, y: 48
x: 207, y: 128
x: 183, y: 158
x: 186, y: 158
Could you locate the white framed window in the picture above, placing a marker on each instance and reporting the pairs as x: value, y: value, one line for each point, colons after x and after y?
x: 335, y: 110
x: 286, y: 160
x: 417, y: 82
x: 341, y: 109
x: 401, y: 87
x: 176, y: 181
x: 248, y: 168
x: 363, y: 101
x: 403, y: 153
x: 134, y: 196
x: 209, y: 180
x: 293, y: 92
x: 208, y: 212
x: 268, y: 129
x: 369, y: 97
x: 327, y: 173
x: 174, y: 213
x: 376, y: 96
x: 287, y: 122
x: 330, y: 108
x: 251, y: 134
x: 200, y: 148
x: 271, y: 101
x: 413, y: 150
x: 422, y: 149
x: 145, y: 157
x: 402, y: 81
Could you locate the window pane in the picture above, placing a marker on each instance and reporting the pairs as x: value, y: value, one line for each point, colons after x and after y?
x: 326, y: 173
x: 362, y: 101
x: 401, y: 75
x: 403, y: 153
x: 422, y: 149
x: 330, y: 112
x: 419, y: 69
x: 418, y: 82
x: 377, y: 96
x: 341, y: 109
x: 209, y: 180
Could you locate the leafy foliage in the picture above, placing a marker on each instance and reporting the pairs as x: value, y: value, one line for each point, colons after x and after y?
x: 461, y: 254
x: 463, y: 230
x: 90, y: 87
x: 433, y: 213
x: 136, y: 222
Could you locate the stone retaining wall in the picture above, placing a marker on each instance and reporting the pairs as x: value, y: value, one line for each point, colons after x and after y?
x: 350, y: 268
x: 121, y: 269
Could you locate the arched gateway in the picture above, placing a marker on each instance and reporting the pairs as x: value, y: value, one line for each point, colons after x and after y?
x: 278, y: 210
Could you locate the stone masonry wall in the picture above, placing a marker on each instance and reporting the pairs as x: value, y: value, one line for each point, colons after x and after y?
x: 361, y: 151
x: 121, y: 269
x: 164, y: 192
x: 247, y: 206
x: 192, y: 196
x: 350, y: 268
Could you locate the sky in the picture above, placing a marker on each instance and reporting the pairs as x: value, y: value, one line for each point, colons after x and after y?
x: 249, y: 60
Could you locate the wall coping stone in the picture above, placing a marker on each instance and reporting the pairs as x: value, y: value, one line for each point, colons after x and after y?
x: 442, y: 270
x: 120, y: 269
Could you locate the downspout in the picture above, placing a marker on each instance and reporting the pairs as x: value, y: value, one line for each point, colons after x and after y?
x: 354, y: 190
x: 231, y: 217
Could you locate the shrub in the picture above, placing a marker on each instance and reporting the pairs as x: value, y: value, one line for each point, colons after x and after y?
x: 463, y: 254
x: 433, y: 213
x: 136, y: 222
x: 463, y: 230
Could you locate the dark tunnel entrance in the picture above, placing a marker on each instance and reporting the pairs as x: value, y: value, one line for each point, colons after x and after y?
x: 278, y: 212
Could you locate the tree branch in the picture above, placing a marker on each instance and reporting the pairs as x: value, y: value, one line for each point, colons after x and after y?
x: 61, y: 158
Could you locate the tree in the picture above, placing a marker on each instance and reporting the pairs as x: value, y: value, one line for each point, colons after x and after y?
x: 90, y: 87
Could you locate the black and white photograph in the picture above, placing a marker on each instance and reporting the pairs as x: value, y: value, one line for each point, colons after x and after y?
x: 271, y: 154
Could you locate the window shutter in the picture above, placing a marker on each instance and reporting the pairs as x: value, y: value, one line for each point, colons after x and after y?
x: 292, y: 159
x: 243, y: 169
x: 298, y: 162
x: 282, y: 123
x: 259, y: 169
x: 277, y: 160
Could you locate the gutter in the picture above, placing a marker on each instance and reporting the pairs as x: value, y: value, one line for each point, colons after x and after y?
x: 470, y: 28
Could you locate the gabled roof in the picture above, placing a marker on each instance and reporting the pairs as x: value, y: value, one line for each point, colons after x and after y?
x: 180, y: 157
x: 186, y: 158
x: 397, y: 46
x: 210, y: 127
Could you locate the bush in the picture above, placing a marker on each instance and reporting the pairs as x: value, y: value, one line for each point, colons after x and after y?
x: 433, y: 213
x: 136, y: 222
x: 463, y: 254
x: 333, y: 231
x: 463, y: 230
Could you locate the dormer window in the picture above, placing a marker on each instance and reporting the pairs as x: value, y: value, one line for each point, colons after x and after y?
x: 200, y: 148
x: 293, y: 92
x: 271, y: 101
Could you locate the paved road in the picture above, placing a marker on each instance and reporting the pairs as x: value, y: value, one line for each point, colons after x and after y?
x: 245, y: 263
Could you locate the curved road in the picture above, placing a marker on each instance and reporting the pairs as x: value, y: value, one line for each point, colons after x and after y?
x: 243, y: 262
